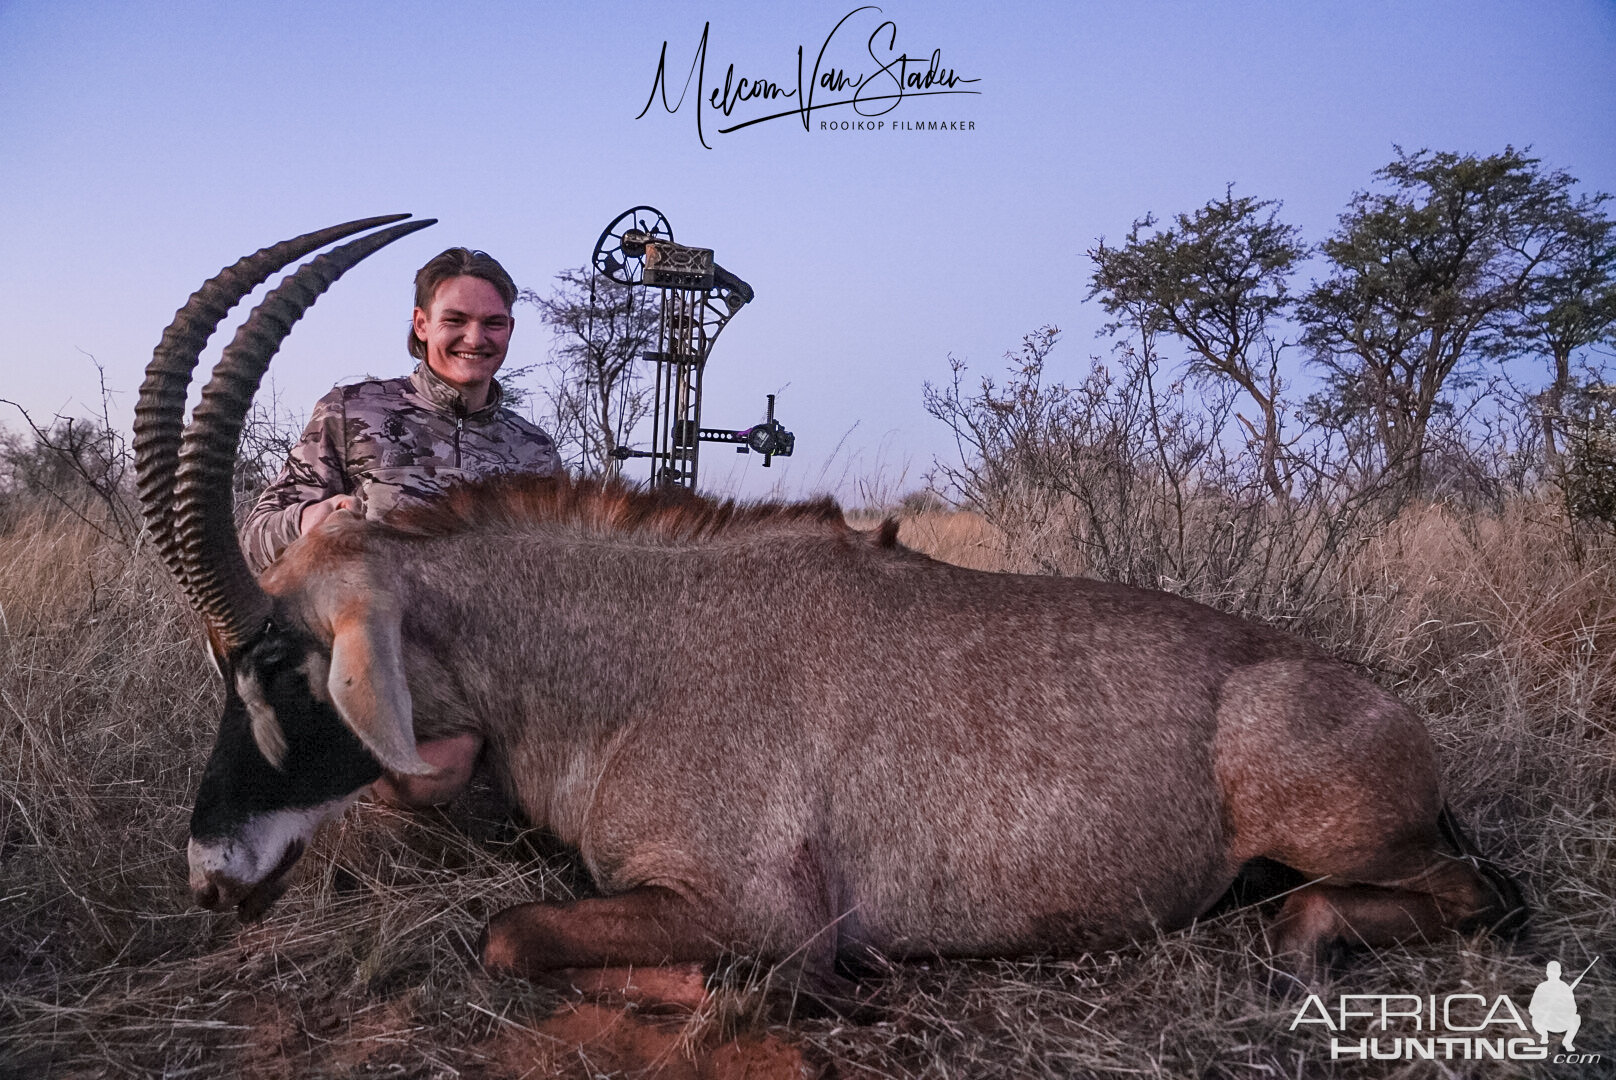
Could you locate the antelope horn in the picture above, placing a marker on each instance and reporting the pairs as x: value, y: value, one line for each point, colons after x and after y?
x: 160, y: 411
x: 213, y: 570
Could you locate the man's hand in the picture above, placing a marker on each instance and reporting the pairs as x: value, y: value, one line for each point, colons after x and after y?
x: 314, y: 513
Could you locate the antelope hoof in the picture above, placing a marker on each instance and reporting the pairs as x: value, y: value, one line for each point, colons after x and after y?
x: 497, y: 952
x: 515, y: 943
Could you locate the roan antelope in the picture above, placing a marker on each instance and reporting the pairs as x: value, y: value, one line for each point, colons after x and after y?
x: 944, y: 762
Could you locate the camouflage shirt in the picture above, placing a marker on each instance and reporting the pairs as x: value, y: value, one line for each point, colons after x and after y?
x: 391, y: 442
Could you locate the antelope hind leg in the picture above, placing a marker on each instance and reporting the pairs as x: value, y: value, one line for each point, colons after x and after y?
x: 1330, y: 775
x: 1323, y: 917
x: 1371, y: 904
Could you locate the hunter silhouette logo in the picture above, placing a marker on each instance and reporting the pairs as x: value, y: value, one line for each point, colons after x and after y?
x: 1554, y: 1006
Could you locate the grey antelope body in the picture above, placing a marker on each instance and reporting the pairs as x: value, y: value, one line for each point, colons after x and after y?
x: 921, y: 760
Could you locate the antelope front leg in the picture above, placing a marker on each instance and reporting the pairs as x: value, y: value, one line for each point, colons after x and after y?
x: 646, y: 926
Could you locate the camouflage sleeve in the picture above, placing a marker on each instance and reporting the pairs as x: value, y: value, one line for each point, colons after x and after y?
x: 314, y: 470
x: 539, y: 450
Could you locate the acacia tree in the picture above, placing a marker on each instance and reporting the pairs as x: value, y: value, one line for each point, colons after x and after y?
x: 596, y: 398
x: 1427, y: 278
x: 1217, y: 279
x: 1569, y: 306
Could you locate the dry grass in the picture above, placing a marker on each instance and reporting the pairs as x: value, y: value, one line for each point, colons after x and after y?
x: 106, y: 711
x: 959, y: 537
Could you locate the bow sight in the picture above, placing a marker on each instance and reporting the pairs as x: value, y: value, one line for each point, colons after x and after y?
x: 698, y: 298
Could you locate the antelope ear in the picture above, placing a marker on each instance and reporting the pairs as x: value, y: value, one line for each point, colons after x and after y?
x: 368, y: 688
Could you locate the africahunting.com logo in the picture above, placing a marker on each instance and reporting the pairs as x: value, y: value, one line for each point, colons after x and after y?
x: 1451, y: 1027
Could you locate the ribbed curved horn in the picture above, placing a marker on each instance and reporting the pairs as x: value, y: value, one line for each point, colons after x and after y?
x: 214, y: 571
x: 160, y: 411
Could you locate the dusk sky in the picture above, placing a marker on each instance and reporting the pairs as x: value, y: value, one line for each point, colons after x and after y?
x: 144, y: 146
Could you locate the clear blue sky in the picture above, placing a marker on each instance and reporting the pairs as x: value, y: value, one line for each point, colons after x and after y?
x: 143, y: 146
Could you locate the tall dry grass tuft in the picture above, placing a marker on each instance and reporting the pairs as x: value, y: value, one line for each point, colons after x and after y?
x: 1489, y: 623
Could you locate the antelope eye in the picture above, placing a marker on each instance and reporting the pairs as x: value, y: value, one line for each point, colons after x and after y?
x: 283, y: 676
x: 276, y: 655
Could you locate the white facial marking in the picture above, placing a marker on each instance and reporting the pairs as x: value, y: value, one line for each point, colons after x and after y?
x: 266, y: 730
x: 243, y: 860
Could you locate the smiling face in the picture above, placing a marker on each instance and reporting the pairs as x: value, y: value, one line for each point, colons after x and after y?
x: 467, y: 331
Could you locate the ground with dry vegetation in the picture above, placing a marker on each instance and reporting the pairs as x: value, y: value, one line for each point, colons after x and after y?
x: 1497, y: 626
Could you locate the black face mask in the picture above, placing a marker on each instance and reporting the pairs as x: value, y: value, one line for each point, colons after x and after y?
x: 324, y: 760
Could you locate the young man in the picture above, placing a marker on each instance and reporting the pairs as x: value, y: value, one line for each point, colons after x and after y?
x: 373, y: 445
